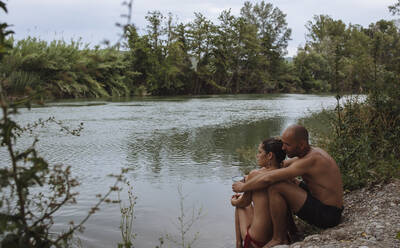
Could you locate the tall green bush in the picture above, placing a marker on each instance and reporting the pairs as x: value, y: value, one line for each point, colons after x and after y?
x: 363, y: 138
x: 63, y: 69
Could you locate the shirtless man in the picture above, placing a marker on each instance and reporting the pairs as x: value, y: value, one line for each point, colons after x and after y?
x: 318, y: 199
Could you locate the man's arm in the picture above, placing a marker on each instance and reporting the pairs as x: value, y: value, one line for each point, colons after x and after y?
x: 263, y: 180
x: 288, y: 162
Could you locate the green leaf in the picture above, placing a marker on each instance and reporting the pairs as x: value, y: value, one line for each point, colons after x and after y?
x: 3, y: 6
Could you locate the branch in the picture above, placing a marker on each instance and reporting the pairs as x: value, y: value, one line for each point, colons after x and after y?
x: 91, y: 212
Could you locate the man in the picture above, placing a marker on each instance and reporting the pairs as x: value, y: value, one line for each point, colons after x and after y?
x: 318, y: 199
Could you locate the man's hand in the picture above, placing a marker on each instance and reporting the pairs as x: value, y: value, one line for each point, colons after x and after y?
x: 237, y: 187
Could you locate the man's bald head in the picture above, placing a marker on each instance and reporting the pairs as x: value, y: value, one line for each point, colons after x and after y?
x: 295, y: 141
x: 297, y: 133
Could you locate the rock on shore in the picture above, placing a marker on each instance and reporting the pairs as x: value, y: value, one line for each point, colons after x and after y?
x: 371, y: 218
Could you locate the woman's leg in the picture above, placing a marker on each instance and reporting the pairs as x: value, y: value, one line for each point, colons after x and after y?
x: 261, y: 227
x: 237, y: 230
x: 243, y: 217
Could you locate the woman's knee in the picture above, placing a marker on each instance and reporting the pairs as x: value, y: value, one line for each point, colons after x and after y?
x: 275, y: 188
x: 240, y: 209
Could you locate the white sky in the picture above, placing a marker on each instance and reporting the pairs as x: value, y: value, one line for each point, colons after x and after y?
x: 94, y: 20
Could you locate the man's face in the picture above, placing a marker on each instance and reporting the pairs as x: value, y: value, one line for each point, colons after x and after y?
x: 290, y: 146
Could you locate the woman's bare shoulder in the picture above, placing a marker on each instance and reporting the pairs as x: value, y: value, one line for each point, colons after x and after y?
x: 256, y: 172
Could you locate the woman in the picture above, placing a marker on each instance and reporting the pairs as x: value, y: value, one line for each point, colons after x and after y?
x: 253, y: 222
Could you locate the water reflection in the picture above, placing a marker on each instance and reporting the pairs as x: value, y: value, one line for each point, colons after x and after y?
x: 181, y: 153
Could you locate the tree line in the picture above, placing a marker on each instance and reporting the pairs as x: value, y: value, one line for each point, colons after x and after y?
x: 239, y: 54
x: 348, y: 58
x: 363, y: 136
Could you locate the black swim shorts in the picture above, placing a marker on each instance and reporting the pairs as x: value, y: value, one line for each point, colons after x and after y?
x: 318, y: 214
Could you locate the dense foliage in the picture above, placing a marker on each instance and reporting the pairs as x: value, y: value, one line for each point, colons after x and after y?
x: 365, y: 135
x: 238, y: 55
x: 63, y: 70
x: 348, y: 58
x: 362, y: 136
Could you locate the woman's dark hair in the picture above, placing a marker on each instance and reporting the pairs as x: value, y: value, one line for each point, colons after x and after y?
x: 274, y: 145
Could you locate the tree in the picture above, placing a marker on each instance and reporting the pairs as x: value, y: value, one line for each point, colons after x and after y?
x: 200, y: 34
x: 359, y: 66
x: 227, y: 52
x: 186, y: 66
x: 154, y: 29
x: 395, y: 8
x: 385, y: 41
x: 272, y: 30
x: 312, y: 68
x: 328, y: 37
x: 268, y: 21
x: 4, y: 45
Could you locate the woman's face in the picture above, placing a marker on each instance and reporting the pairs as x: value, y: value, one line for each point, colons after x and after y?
x: 262, y: 159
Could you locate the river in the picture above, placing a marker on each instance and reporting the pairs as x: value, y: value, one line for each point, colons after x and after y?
x: 197, y: 143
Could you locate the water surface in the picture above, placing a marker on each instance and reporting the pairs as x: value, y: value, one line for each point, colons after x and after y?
x: 166, y: 142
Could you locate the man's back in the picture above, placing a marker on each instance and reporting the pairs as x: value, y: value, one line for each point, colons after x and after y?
x: 323, y: 177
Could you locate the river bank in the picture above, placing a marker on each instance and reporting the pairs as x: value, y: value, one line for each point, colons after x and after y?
x: 371, y: 218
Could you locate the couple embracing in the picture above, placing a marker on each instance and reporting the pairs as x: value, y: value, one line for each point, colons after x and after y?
x: 263, y: 214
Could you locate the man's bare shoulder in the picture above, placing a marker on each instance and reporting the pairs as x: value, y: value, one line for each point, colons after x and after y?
x: 318, y: 150
x: 315, y: 157
x: 307, y: 160
x: 319, y: 153
x: 322, y: 160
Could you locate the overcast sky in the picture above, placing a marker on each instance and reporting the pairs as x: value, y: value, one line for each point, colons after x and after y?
x: 94, y: 20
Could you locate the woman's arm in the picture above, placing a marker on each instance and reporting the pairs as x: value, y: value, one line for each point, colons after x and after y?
x: 242, y: 201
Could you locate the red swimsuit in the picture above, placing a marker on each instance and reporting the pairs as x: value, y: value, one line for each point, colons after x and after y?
x: 249, y: 240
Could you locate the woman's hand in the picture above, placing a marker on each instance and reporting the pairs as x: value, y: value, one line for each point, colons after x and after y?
x: 235, y: 199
